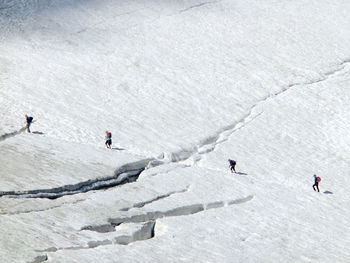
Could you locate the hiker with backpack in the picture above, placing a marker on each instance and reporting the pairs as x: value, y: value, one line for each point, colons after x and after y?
x: 232, y: 165
x: 317, y: 180
x: 29, y: 121
x: 108, y: 138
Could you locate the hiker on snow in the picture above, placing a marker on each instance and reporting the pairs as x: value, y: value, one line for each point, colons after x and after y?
x: 108, y: 139
x: 317, y: 180
x: 232, y: 165
x: 29, y: 121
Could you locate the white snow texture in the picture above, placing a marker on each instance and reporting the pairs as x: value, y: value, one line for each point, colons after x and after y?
x: 183, y: 86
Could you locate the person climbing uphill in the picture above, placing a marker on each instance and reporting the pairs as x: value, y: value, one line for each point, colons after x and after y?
x: 29, y: 121
x: 317, y: 180
x: 108, y: 139
x: 232, y: 165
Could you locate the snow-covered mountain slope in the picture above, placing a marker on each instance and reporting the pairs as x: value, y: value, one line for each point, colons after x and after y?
x: 182, y: 86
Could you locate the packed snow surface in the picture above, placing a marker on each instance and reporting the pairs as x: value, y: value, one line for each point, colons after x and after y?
x: 183, y: 86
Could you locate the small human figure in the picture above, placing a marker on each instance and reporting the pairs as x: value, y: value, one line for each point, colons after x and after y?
x: 232, y: 165
x: 29, y: 121
x: 108, y: 139
x: 317, y: 180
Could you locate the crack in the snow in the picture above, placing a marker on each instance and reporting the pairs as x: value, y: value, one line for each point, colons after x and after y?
x: 44, y: 209
x: 145, y: 232
x: 197, y: 5
x: 154, y: 215
x: 125, y: 174
x: 130, y: 172
x: 39, y: 259
x: 142, y: 204
x: 209, y: 144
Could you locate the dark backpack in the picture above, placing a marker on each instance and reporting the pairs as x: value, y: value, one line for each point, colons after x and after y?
x: 30, y: 119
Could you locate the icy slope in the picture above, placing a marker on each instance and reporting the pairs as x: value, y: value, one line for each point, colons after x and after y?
x: 158, y: 76
x: 182, y: 85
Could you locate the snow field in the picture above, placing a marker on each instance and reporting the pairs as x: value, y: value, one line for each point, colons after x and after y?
x: 186, y: 85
